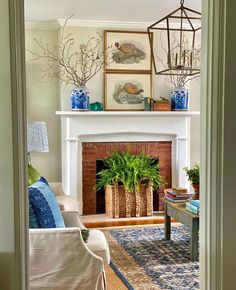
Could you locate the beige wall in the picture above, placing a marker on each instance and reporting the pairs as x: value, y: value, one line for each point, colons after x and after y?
x: 12, y: 246
x: 44, y: 99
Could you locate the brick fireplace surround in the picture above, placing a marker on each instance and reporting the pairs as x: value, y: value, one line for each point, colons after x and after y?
x: 93, y: 151
x: 82, y: 133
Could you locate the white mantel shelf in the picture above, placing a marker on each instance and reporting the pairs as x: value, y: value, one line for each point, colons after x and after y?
x: 122, y: 126
x: 72, y: 114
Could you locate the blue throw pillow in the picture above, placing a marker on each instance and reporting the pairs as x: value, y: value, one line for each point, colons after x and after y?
x: 44, y: 211
x: 43, y: 179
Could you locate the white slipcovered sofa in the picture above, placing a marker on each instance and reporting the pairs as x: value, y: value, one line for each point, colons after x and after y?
x: 60, y: 259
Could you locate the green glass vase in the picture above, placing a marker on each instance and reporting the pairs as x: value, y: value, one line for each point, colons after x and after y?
x: 33, y: 175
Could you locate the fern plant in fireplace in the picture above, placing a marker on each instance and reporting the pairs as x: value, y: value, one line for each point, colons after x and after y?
x: 129, y: 181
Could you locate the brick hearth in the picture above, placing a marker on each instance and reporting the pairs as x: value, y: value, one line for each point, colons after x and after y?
x: 92, y: 151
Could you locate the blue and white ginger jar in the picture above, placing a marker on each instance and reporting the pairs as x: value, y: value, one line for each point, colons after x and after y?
x: 80, y: 98
x: 179, y: 99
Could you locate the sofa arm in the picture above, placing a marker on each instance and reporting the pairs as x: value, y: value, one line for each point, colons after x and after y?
x: 72, y: 219
x: 65, y: 202
x: 60, y: 257
x: 57, y: 188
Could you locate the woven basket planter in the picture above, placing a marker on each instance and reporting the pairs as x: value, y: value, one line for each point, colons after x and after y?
x: 121, y: 204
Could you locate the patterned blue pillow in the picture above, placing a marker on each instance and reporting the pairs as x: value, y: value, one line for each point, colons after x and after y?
x: 43, y: 179
x: 44, y: 211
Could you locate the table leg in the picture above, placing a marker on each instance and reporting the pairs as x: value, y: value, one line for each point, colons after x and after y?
x: 194, y: 240
x: 167, y: 225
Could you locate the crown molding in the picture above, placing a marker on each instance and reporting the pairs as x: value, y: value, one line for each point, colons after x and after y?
x: 104, y: 24
x: 56, y: 24
x: 42, y: 25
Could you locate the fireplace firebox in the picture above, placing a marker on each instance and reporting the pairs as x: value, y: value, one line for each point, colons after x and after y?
x: 93, y: 154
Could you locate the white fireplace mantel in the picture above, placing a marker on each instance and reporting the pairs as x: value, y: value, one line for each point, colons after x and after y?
x: 79, y: 114
x: 78, y: 127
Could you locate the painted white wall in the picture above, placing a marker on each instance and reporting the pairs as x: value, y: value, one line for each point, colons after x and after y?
x: 44, y: 99
x: 122, y: 10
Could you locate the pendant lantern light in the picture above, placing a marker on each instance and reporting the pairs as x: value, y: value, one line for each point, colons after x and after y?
x: 173, y: 41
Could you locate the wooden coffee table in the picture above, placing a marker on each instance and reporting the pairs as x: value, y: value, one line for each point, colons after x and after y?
x: 180, y: 214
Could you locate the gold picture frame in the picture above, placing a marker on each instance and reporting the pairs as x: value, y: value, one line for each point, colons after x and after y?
x: 129, y: 51
x: 126, y: 91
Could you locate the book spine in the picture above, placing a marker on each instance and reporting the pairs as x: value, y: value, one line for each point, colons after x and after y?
x: 179, y: 195
x: 192, y: 208
x: 179, y: 191
x: 195, y: 203
x: 176, y: 197
x: 175, y: 200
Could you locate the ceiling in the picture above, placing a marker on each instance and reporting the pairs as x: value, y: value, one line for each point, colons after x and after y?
x: 103, y: 10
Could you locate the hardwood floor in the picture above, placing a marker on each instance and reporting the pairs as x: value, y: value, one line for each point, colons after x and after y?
x: 102, y: 220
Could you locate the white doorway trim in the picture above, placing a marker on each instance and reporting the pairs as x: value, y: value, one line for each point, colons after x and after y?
x: 217, y: 240
x: 218, y: 157
x: 13, y: 179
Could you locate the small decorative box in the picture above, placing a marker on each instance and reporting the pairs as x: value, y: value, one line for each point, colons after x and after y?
x: 162, y: 105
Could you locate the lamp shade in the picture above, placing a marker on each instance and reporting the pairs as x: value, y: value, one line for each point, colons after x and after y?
x: 37, y: 138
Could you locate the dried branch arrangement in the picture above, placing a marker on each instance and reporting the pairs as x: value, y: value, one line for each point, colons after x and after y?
x: 69, y: 62
x: 189, y: 57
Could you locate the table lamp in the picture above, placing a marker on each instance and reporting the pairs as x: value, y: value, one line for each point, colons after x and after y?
x: 37, y: 141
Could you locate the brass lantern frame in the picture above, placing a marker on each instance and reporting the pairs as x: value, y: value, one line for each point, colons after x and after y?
x: 177, y: 65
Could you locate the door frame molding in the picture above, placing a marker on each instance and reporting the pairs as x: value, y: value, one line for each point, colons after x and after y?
x: 19, y: 140
x: 212, y: 145
x: 217, y: 253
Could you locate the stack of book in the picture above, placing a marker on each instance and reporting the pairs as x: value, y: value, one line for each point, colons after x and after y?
x: 193, y: 206
x: 177, y: 194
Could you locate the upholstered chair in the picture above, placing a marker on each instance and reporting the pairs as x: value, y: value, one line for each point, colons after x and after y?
x: 60, y: 259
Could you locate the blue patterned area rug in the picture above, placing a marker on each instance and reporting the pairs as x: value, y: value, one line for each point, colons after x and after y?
x: 149, y: 262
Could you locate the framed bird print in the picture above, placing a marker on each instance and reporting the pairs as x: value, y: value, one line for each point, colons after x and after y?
x: 128, y: 51
x: 126, y: 92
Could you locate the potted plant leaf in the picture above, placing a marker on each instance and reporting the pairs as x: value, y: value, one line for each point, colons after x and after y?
x: 193, y: 176
x: 129, y: 181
